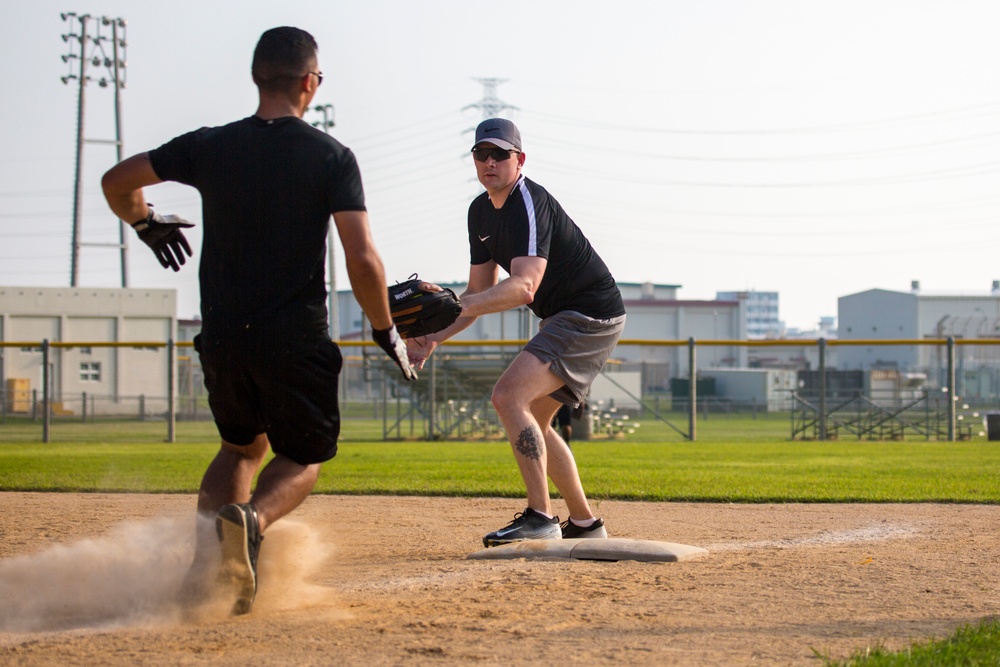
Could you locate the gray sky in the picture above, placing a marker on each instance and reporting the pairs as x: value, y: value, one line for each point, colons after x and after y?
x: 812, y: 148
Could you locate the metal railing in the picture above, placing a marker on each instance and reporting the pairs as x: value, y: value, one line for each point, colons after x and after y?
x: 117, y: 386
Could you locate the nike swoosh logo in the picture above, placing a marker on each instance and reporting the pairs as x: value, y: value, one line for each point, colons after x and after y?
x: 483, y: 238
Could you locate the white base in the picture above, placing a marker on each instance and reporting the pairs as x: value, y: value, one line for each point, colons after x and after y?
x: 611, y: 549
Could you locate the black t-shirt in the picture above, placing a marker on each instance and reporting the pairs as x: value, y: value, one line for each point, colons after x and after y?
x: 531, y: 223
x: 268, y: 189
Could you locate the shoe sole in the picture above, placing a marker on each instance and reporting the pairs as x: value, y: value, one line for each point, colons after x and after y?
x: 500, y: 541
x: 600, y: 534
x: 237, y: 571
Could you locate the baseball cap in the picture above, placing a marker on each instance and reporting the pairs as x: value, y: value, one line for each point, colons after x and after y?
x: 499, y: 132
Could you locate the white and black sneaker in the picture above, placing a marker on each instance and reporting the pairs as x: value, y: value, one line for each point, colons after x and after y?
x: 527, y: 525
x: 240, y: 538
x: 571, y: 531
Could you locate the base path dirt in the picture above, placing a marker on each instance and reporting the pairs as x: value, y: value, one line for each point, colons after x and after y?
x: 92, y: 580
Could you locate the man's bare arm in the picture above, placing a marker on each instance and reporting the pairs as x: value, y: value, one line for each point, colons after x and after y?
x: 123, y: 185
x: 518, y: 290
x: 364, y: 267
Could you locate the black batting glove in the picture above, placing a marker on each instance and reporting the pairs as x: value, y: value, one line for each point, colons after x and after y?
x: 163, y: 234
x: 395, y: 347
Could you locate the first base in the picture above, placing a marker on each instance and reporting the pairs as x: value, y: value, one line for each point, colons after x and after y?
x: 610, y: 549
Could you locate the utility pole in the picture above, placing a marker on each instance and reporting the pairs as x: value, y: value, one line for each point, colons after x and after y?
x: 100, y: 42
x: 491, y: 105
x: 325, y: 125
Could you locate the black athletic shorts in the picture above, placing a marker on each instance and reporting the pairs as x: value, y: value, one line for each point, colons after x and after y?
x: 288, y: 392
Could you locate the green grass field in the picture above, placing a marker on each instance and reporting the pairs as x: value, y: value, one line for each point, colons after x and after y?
x: 746, y: 471
x: 752, y: 469
x: 970, y: 646
x: 364, y: 422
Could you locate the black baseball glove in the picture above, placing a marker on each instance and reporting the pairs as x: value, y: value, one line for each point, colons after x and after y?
x: 163, y: 234
x: 418, y: 311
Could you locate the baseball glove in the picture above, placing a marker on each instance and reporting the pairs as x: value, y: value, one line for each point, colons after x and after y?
x: 418, y: 311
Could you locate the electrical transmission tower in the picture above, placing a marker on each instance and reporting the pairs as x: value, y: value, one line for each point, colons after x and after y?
x: 491, y: 105
x: 97, y: 42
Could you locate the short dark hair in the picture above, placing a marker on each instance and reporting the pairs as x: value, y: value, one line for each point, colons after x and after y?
x: 283, y: 55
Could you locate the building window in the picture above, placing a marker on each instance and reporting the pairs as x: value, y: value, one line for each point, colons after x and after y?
x: 90, y: 371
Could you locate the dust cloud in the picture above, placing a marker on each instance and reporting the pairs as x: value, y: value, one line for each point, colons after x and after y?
x: 133, y: 575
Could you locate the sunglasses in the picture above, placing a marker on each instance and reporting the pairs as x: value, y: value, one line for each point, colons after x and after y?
x: 319, y: 77
x: 495, y: 152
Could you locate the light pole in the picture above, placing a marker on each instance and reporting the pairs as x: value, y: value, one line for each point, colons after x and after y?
x: 90, y: 47
x: 325, y: 125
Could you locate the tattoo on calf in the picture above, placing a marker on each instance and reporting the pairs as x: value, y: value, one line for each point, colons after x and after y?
x: 529, y: 443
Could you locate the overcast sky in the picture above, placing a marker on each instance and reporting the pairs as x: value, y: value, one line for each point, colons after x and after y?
x: 815, y: 149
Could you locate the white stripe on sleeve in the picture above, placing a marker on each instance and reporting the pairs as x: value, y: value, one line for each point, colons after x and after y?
x: 529, y: 204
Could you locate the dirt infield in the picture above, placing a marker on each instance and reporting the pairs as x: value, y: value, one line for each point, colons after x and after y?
x: 90, y: 579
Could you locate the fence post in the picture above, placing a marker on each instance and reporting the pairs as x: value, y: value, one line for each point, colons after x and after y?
x: 952, y: 399
x: 822, y: 389
x: 3, y: 390
x: 83, y: 406
x: 432, y: 398
x: 171, y: 386
x: 45, y: 391
x: 692, y: 391
x: 383, y: 398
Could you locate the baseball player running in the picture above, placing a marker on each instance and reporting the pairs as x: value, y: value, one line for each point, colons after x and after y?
x: 268, y: 184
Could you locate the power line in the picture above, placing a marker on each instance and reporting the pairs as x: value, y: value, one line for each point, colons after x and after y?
x: 932, y: 207
x: 957, y: 114
x: 937, y: 174
x: 385, y: 134
x: 890, y: 151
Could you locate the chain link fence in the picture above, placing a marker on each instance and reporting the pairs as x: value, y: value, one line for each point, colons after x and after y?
x: 933, y: 389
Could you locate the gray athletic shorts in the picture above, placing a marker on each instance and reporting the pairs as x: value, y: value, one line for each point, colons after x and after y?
x: 575, y: 347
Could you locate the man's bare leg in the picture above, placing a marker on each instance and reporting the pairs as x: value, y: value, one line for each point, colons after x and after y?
x: 522, y: 384
x: 282, y: 486
x: 228, y: 479
x: 560, y: 463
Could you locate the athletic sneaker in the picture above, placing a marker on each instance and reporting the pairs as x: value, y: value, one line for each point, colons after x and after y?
x: 239, y: 535
x: 571, y: 531
x: 527, y: 525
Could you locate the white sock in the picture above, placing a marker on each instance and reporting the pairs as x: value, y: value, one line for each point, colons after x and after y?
x: 583, y: 523
x: 547, y: 516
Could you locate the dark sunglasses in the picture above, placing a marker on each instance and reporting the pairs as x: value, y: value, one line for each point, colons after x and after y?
x: 495, y: 152
x: 319, y: 78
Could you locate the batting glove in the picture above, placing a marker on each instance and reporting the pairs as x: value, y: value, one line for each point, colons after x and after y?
x: 395, y: 347
x: 163, y: 234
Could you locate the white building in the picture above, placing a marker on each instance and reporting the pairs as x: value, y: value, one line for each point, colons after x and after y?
x: 880, y: 314
x: 87, y: 315
x: 761, y: 312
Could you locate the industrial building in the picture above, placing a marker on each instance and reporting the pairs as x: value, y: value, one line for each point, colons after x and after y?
x: 761, y: 312
x: 85, y: 315
x: 655, y: 313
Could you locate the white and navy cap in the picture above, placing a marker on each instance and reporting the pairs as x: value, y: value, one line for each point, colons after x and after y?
x: 499, y: 132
